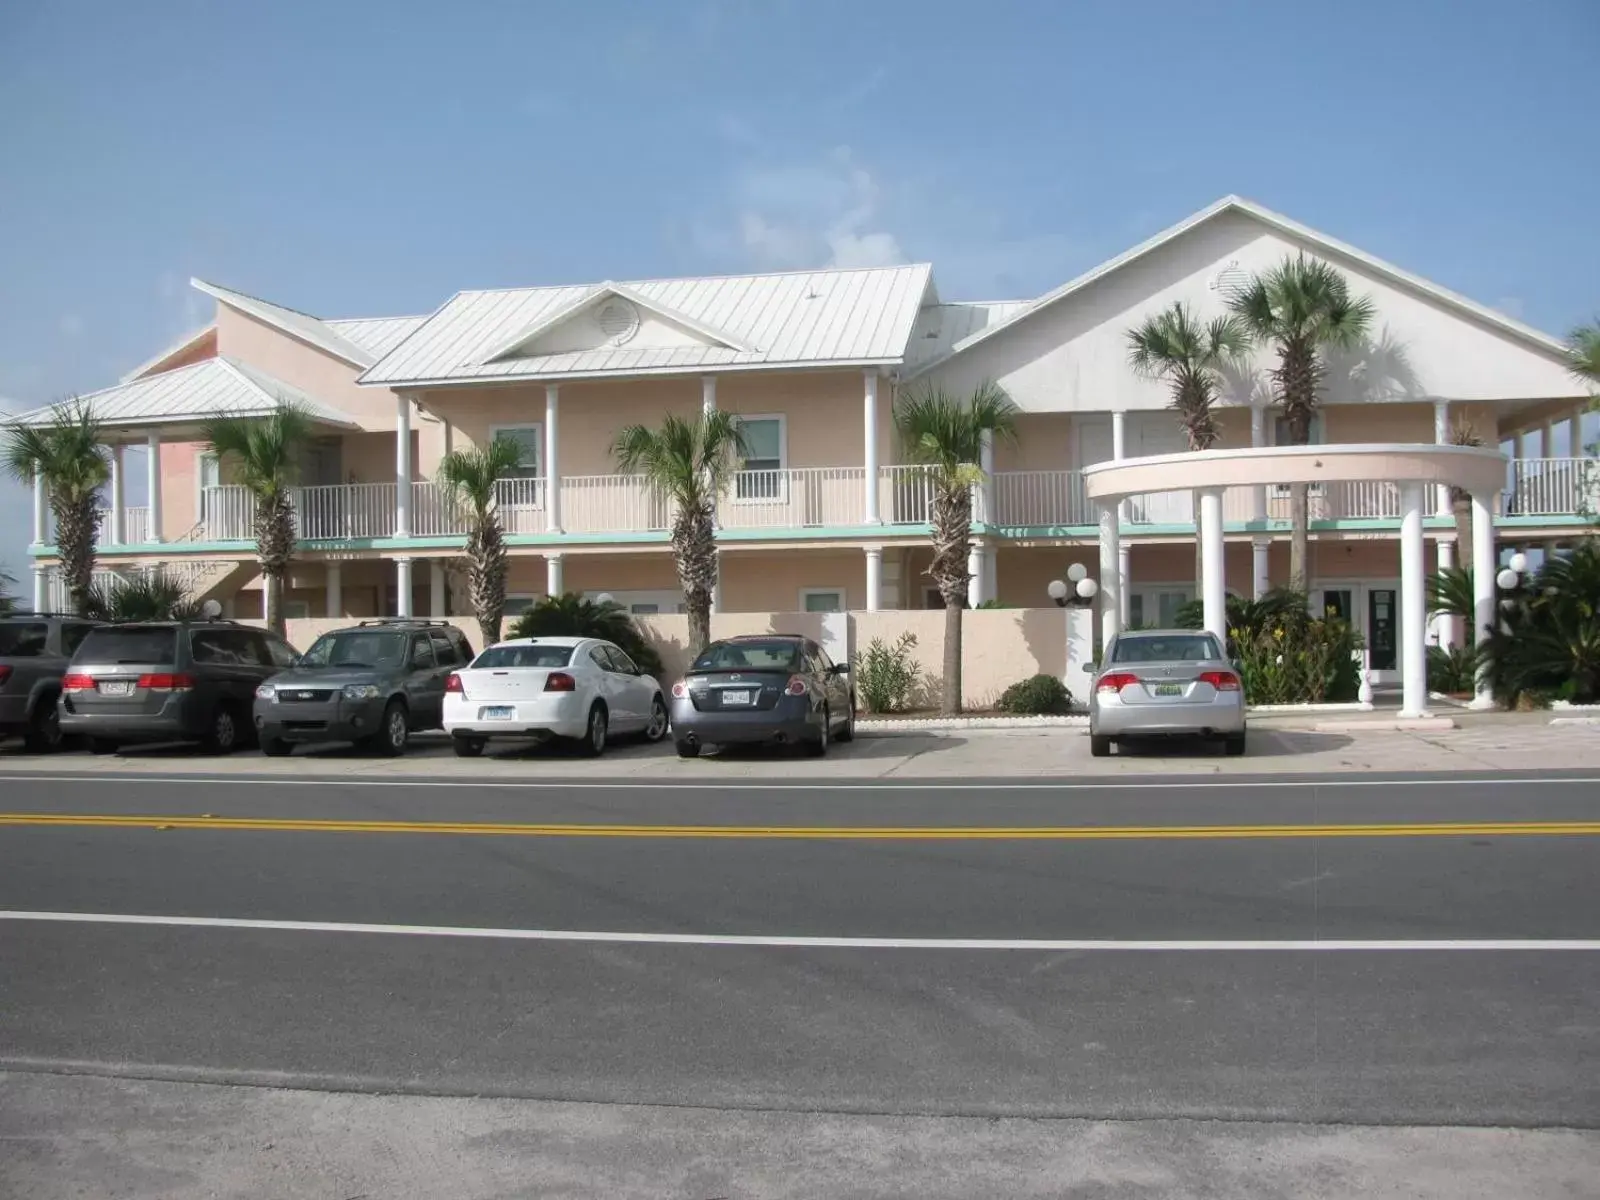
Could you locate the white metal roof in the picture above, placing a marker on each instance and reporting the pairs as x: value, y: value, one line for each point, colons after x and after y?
x: 309, y: 329
x: 216, y: 387
x: 942, y: 326
x: 376, y: 335
x: 188, y: 340
x: 799, y: 318
x: 1282, y: 224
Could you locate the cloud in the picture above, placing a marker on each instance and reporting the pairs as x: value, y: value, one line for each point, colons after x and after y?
x: 794, y: 216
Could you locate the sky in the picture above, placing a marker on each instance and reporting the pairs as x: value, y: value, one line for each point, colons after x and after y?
x: 368, y: 158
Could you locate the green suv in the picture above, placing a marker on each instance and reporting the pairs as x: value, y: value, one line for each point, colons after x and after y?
x: 371, y: 684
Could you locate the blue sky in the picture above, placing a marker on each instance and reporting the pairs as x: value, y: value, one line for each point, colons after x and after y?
x: 364, y: 158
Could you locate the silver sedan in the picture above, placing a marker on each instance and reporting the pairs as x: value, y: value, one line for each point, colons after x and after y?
x: 1165, y: 682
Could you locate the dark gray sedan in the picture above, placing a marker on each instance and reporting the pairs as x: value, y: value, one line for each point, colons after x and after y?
x: 775, y: 689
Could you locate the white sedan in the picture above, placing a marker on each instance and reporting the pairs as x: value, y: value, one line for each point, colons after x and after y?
x: 580, y: 689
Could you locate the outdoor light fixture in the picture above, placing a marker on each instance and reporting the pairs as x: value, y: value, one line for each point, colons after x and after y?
x: 1077, y: 589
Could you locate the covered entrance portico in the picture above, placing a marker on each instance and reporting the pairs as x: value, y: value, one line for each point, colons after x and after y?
x: 1419, y: 469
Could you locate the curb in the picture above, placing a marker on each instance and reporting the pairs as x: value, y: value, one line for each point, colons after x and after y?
x: 964, y: 724
x: 1575, y: 720
x: 1400, y: 725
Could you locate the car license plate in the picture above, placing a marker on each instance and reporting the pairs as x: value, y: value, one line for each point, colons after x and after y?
x: 1169, y: 689
x: 498, y: 713
x: 117, y: 687
x: 731, y: 698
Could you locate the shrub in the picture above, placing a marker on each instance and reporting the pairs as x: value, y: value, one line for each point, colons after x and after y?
x: 145, y: 596
x: 1042, y: 695
x: 1453, y: 670
x: 886, y: 677
x: 1287, y: 656
x: 1547, y: 643
x: 571, y: 615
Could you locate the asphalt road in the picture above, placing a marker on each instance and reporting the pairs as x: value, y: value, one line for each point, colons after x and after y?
x: 1349, y: 1032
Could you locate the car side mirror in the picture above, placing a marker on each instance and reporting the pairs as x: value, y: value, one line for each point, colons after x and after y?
x: 1089, y: 668
x: 839, y: 669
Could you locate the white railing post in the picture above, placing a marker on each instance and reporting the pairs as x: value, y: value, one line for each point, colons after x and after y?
x: 402, y: 474
x: 869, y: 451
x: 1441, y: 437
x: 552, y: 463
x: 119, y: 508
x: 41, y: 512
x: 153, y: 487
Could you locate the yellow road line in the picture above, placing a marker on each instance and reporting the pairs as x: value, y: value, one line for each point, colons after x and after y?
x: 819, y: 833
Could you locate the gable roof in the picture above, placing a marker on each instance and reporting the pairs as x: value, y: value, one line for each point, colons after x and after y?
x: 798, y: 318
x: 216, y: 387
x: 186, y: 342
x: 376, y: 335
x: 601, y: 291
x: 305, y: 327
x: 1284, y: 225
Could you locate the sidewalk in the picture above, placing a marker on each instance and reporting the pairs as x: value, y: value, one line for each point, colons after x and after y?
x: 1282, y: 744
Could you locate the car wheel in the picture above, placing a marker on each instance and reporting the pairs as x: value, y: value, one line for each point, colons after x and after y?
x: 688, y: 749
x: 847, y: 732
x: 468, y: 747
x: 818, y: 746
x: 275, y: 747
x: 44, y: 730
x: 1099, y: 745
x: 223, y: 736
x: 593, y: 744
x: 1233, y: 745
x: 394, y: 731
x: 102, y: 746
x: 657, y: 728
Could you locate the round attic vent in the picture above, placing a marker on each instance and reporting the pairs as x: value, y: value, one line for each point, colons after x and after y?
x: 1230, y: 281
x: 618, y: 320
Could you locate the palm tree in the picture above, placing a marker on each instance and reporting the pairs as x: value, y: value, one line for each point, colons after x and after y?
x: 946, y: 434
x: 691, y: 464
x: 1303, y: 307
x: 8, y: 602
x: 145, y: 596
x: 472, y: 477
x: 68, y: 454
x: 571, y: 615
x: 1583, y: 352
x: 264, y: 455
x: 1174, y: 346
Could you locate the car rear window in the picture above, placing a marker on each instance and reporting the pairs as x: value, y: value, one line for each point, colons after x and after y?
x: 129, y: 644
x: 23, y: 639
x: 749, y: 656
x: 501, y: 657
x: 1185, y: 647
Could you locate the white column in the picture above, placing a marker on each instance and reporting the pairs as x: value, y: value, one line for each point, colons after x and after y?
x: 1125, y: 579
x: 1119, y: 446
x: 449, y: 432
x: 402, y: 477
x: 974, y: 576
x: 153, y: 487
x: 119, y: 498
x: 41, y: 588
x: 41, y: 512
x: 869, y: 451
x: 874, y: 578
x: 334, y: 584
x: 552, y: 460
x: 1413, y: 604
x: 708, y: 394
x: 402, y: 587
x: 1484, y: 569
x: 1260, y: 567
x: 436, y: 588
x: 1444, y: 625
x: 1110, y: 588
x: 991, y: 572
x: 986, y: 465
x: 553, y: 584
x: 1258, y: 437
x: 1213, y: 581
x: 1441, y: 437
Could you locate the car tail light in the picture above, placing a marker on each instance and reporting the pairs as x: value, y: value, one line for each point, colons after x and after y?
x: 1223, y: 681
x: 453, y: 684
x: 1115, y: 681
x: 5, y: 674
x: 797, y: 686
x: 77, y: 683
x: 560, y: 681
x: 680, y: 690
x: 166, y: 683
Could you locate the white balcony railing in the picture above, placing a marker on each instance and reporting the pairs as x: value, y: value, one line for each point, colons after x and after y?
x: 350, y: 510
x: 613, y: 504
x: 135, y: 527
x: 803, y: 497
x: 1041, y: 498
x: 1551, y: 487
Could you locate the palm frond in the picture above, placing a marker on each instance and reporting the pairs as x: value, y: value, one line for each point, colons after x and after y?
x: 946, y: 431
x: 1583, y: 352
x: 146, y: 596
x: 691, y: 462
x: 1175, y: 346
x: 263, y: 452
x: 68, y: 452
x: 472, y: 474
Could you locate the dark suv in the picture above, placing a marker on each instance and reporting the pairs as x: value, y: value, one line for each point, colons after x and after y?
x: 371, y: 684
x: 168, y: 681
x: 34, y: 651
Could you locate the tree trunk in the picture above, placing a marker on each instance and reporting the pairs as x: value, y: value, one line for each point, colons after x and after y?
x: 77, y: 532
x: 1299, y: 537
x: 274, y: 550
x: 486, y: 575
x: 697, y: 602
x: 950, y: 699
x: 694, y: 542
x: 272, y: 593
x: 1461, y: 509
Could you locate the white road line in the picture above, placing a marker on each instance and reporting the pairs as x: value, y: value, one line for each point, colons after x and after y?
x: 822, y: 943
x: 821, y: 784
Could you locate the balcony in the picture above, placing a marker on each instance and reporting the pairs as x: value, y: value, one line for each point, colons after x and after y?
x: 824, y: 498
x: 135, y: 527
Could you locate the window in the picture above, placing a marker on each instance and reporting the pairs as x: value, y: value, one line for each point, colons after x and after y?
x: 281, y: 653
x: 130, y: 644
x: 622, y: 662
x: 459, y: 641
x: 644, y: 610
x: 599, y: 657
x: 1157, y: 607
x: 761, y: 477
x: 228, y: 647
x: 1185, y: 647
x: 1280, y: 437
x: 422, y: 653
x: 296, y: 610
x: 757, y: 654
x: 821, y: 600
x: 72, y: 637
x: 520, y: 603
x: 540, y: 657
x: 530, y: 440
x: 444, y: 650
x: 24, y: 639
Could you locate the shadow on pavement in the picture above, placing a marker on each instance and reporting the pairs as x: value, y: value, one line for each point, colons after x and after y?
x: 1276, y: 743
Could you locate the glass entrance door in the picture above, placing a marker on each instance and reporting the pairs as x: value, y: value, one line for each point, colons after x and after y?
x: 1383, y: 625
